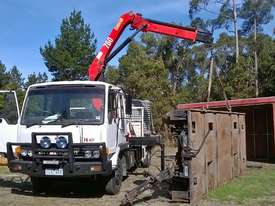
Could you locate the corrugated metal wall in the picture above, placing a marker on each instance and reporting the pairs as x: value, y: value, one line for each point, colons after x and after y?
x: 259, y: 132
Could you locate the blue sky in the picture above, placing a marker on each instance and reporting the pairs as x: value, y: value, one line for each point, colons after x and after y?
x: 28, y: 24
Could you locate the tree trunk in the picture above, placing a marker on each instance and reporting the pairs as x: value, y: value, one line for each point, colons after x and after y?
x: 177, y: 74
x: 210, y: 78
x: 236, y: 30
x: 256, y: 58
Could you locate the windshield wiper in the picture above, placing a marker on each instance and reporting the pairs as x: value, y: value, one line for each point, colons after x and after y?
x: 50, y: 119
x: 74, y: 123
x: 68, y: 124
x: 32, y: 124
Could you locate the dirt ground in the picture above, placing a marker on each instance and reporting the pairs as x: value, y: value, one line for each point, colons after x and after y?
x: 13, y: 192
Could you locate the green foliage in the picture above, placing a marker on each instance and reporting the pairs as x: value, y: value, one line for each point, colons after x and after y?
x: 259, y: 10
x: 238, y: 79
x: 2, y: 102
x: 225, y: 17
x: 145, y: 77
x: 34, y: 78
x: 8, y: 108
x: 69, y: 56
x: 266, y: 55
x: 12, y: 80
x: 4, y: 79
x: 16, y: 81
x: 222, y: 20
x: 195, y: 6
x: 112, y: 75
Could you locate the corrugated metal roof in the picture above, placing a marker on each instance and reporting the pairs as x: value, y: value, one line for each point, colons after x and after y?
x: 232, y: 103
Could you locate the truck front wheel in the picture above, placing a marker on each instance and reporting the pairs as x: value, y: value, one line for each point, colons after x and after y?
x: 114, y: 183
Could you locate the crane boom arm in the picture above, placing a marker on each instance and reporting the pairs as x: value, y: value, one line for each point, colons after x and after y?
x: 145, y: 25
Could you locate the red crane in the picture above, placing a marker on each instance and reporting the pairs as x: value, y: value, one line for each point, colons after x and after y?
x: 145, y: 25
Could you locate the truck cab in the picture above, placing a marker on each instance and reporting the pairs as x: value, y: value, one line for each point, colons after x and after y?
x: 74, y: 129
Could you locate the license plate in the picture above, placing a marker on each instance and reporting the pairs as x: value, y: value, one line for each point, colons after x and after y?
x: 54, y: 172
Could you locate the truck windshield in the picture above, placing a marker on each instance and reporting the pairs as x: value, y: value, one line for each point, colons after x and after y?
x: 65, y: 105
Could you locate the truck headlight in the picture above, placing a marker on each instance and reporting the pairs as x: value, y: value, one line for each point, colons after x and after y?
x: 24, y: 153
x: 17, y: 151
x: 45, y: 142
x: 61, y: 142
x: 96, y: 154
x: 88, y: 154
x: 30, y: 153
x: 92, y: 154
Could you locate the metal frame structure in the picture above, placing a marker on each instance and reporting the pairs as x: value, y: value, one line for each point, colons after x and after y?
x: 139, y: 24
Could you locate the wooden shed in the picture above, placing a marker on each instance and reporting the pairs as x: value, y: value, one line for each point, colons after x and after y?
x: 260, y: 123
x: 211, y: 151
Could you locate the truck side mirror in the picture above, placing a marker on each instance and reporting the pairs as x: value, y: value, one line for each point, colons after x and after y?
x: 128, y: 104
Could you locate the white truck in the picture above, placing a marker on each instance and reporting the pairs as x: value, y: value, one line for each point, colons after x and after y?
x: 79, y: 129
x: 75, y: 129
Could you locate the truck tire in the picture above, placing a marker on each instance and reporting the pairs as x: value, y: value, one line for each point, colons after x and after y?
x: 39, y: 185
x: 113, y: 185
x: 124, y: 167
x: 147, y: 161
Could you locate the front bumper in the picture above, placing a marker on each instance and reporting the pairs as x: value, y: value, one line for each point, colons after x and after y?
x: 68, y: 164
x: 79, y: 169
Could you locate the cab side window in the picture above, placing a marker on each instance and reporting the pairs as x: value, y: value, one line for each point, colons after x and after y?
x: 8, y: 108
x: 112, y: 106
x: 122, y: 112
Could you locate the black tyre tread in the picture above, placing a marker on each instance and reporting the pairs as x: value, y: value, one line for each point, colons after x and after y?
x: 113, y: 185
x: 147, y: 162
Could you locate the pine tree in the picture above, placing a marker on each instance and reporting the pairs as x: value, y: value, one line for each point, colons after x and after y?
x: 69, y: 56
x: 34, y: 78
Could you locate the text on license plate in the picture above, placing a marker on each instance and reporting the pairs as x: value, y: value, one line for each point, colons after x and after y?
x: 54, y: 172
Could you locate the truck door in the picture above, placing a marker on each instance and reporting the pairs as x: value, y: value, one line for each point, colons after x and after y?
x: 116, y: 120
x: 122, y: 123
x: 112, y: 134
x: 9, y: 115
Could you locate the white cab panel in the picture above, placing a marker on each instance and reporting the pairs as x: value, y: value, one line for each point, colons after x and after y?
x: 9, y: 114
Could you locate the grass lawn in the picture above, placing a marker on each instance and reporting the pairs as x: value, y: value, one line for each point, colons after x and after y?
x: 257, y: 187
x: 4, y: 170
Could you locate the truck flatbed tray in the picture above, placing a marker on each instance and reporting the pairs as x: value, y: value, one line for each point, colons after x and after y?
x: 148, y: 141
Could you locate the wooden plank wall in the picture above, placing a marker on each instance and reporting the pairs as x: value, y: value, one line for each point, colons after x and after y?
x: 222, y: 157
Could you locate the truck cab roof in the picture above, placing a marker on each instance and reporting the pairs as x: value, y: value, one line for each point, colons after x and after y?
x: 77, y: 82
